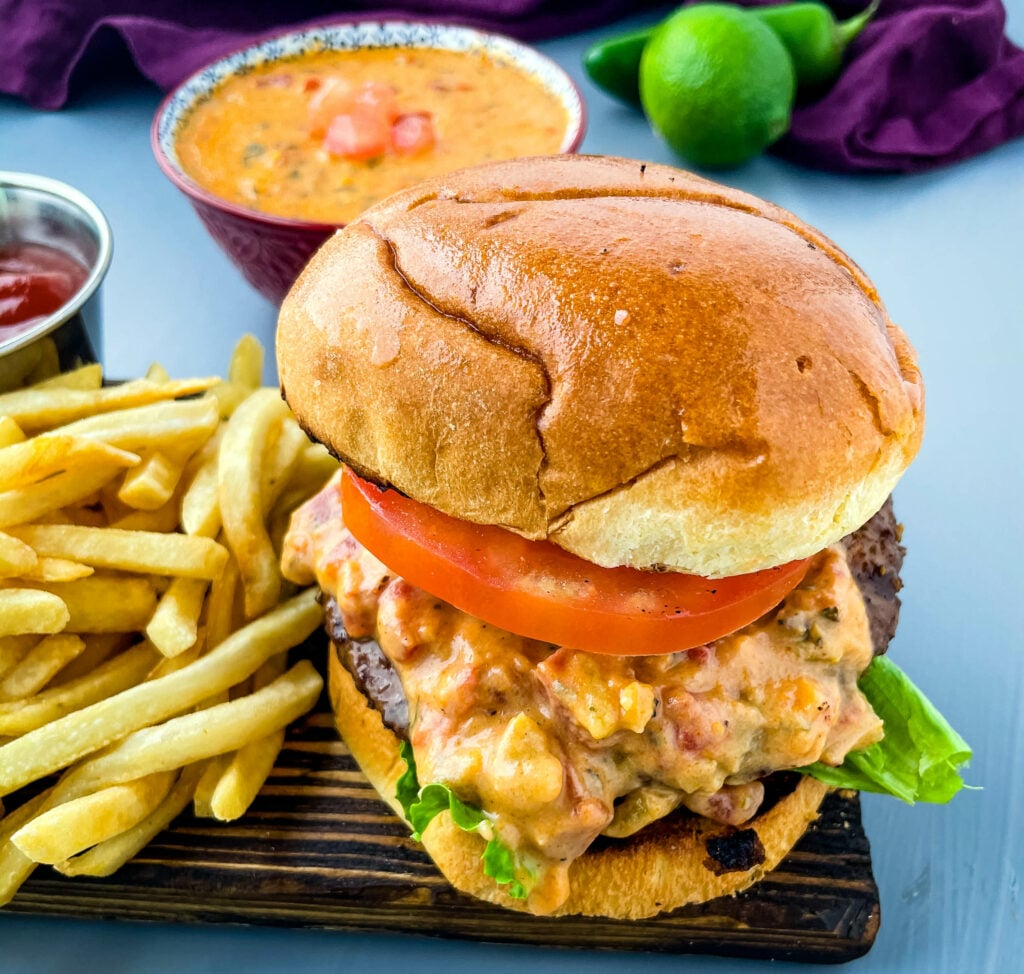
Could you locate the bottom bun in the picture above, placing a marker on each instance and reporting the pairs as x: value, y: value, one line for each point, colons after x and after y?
x: 659, y: 869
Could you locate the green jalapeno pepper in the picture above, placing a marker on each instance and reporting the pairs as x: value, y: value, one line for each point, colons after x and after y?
x: 814, y: 38
x: 809, y: 31
x: 614, y: 65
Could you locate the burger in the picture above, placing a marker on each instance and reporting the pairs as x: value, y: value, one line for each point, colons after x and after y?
x: 611, y: 565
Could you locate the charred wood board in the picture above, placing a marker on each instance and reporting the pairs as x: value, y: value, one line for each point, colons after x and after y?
x: 319, y: 849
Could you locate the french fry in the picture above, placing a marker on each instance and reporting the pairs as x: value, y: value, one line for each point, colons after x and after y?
x: 83, y: 516
x: 56, y: 745
x: 171, y: 664
x: 104, y: 603
x: 163, y: 519
x: 24, y: 504
x: 200, y: 735
x: 107, y: 857
x: 241, y: 506
x: 134, y: 551
x: 168, y: 746
x: 315, y: 467
x: 202, y: 801
x: 128, y: 510
x: 111, y: 677
x: 280, y: 459
x: 99, y: 647
x: 113, y: 508
x: 76, y: 825
x: 9, y: 824
x: 16, y: 557
x: 42, y: 456
x: 15, y: 866
x: 35, y: 410
x: 157, y: 373
x: 57, y: 570
x: 246, y: 367
x: 13, y: 650
x: 40, y: 665
x: 244, y: 776
x: 25, y: 610
x: 10, y: 432
x: 228, y: 396
x: 220, y: 605
x: 151, y: 484
x: 175, y: 623
x: 200, y: 505
x: 245, y: 771
x: 184, y: 425
x: 84, y: 377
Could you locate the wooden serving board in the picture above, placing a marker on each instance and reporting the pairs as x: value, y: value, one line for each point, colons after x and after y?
x: 319, y: 849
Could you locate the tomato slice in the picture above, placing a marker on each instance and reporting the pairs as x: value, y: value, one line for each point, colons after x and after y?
x: 536, y: 589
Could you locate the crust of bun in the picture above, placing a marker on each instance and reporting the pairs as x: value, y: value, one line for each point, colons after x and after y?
x: 645, y: 367
x: 660, y: 869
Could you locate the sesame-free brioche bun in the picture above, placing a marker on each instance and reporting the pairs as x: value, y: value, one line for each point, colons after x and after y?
x: 642, y: 366
x: 660, y: 868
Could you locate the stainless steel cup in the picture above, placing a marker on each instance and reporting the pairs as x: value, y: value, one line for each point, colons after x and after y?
x: 39, y: 210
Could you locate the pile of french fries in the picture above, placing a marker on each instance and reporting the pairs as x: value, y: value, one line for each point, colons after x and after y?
x: 144, y: 622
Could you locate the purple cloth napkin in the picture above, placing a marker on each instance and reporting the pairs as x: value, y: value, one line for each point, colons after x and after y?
x: 927, y: 83
x: 43, y: 41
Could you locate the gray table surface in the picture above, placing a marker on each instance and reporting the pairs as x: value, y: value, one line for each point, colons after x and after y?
x: 945, y: 250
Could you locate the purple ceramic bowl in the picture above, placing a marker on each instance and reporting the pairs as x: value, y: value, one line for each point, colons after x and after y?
x: 271, y: 251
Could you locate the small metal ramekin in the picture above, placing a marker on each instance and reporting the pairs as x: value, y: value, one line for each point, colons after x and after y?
x: 38, y: 210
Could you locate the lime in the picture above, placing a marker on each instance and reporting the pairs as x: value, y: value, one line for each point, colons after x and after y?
x: 717, y: 84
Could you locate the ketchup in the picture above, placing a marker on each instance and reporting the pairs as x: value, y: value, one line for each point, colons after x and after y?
x: 35, y: 280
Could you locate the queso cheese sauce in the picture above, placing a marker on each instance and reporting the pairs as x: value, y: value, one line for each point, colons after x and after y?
x: 251, y: 141
x: 559, y: 746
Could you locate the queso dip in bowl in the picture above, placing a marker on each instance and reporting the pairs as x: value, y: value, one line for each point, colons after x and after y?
x: 279, y: 144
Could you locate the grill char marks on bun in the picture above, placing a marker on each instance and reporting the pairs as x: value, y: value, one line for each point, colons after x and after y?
x: 648, y: 370
x: 488, y: 341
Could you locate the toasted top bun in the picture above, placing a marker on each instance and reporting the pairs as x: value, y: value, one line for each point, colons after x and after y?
x: 660, y: 868
x: 642, y: 366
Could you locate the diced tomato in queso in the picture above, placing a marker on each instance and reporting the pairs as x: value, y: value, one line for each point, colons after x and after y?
x: 412, y: 133
x: 358, y: 134
x: 365, y: 121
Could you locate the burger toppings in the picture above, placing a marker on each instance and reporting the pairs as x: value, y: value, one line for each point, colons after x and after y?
x: 540, y: 590
x: 557, y: 745
x: 920, y: 757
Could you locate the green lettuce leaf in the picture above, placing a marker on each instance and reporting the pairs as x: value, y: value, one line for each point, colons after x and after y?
x: 500, y: 865
x: 920, y: 757
x: 422, y: 804
x: 407, y: 788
